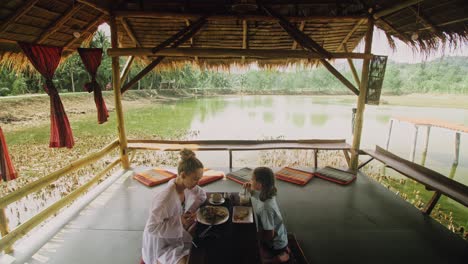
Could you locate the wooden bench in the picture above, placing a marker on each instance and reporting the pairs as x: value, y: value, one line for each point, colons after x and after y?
x: 242, y: 145
x: 431, y: 179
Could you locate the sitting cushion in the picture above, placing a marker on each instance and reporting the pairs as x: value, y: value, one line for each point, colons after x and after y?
x: 240, y: 176
x: 296, y: 255
x: 154, y: 176
x: 294, y: 175
x: 335, y: 175
x: 210, y: 176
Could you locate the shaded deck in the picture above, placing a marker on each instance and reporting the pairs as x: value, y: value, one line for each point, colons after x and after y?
x: 360, y: 223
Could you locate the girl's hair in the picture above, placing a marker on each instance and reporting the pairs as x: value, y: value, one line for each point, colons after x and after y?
x: 188, y: 162
x: 266, y: 177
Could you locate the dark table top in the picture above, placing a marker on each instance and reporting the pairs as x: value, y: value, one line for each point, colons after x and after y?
x: 226, y: 243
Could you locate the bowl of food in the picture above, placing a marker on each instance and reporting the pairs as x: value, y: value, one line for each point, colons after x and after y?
x: 216, y: 199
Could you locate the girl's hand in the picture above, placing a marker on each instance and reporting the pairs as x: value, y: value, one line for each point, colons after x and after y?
x: 247, y: 185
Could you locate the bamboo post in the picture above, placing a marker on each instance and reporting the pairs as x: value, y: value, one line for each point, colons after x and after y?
x: 25, y: 227
x: 415, y: 142
x: 457, y: 148
x: 351, y: 66
x: 230, y: 159
x: 118, y: 96
x: 389, y: 135
x: 426, y: 145
x: 362, y: 97
x: 4, y: 228
x: 315, y: 158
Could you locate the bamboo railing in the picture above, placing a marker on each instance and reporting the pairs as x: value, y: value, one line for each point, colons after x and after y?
x: 9, y: 239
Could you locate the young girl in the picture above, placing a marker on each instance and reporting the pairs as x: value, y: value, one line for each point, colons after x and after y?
x: 270, y: 222
x: 166, y: 238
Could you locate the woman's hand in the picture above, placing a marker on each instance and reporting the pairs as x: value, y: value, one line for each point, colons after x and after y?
x: 188, y: 219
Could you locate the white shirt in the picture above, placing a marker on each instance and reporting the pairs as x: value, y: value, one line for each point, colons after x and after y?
x: 164, y: 239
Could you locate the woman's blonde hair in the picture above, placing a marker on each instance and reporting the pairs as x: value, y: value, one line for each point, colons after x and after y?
x: 188, y: 162
x: 266, y: 177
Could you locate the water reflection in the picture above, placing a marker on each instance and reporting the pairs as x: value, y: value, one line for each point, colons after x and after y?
x: 298, y: 120
x: 318, y: 120
x: 268, y: 117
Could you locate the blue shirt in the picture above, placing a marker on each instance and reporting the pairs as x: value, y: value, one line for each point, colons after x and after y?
x: 268, y: 217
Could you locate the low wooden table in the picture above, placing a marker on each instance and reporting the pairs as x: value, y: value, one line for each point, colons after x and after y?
x: 226, y: 243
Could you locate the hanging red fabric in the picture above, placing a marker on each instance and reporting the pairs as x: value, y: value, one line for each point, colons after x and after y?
x: 92, y: 59
x: 7, y: 171
x: 46, y: 59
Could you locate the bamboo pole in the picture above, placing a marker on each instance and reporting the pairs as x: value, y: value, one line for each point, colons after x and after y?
x: 415, y: 142
x: 232, y: 53
x: 426, y: 145
x: 457, y: 148
x: 46, y: 180
x: 4, y: 228
x: 361, y: 103
x: 59, y: 23
x: 389, y: 135
x: 126, y: 69
x: 24, y: 228
x: 353, y: 69
x: 118, y: 96
x: 301, y: 28
x: 226, y: 17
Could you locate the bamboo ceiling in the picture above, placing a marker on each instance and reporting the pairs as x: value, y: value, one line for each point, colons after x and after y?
x: 331, y: 24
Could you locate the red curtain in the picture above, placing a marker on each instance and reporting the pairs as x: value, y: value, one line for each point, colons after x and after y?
x: 92, y: 59
x: 7, y: 171
x: 46, y: 59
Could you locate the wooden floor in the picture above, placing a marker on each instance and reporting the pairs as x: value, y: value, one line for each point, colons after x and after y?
x: 360, y: 223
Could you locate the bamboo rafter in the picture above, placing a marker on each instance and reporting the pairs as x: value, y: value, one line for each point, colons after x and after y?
x: 187, y: 23
x: 59, y: 23
x: 24, y: 8
x: 425, y: 22
x: 301, y: 28
x: 348, y: 36
x: 395, y: 8
x: 91, y: 25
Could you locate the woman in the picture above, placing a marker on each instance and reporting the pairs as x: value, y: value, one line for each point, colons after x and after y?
x: 166, y: 238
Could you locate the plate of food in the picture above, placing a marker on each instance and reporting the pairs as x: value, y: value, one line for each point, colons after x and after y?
x: 212, y: 215
x: 216, y: 199
x: 242, y: 215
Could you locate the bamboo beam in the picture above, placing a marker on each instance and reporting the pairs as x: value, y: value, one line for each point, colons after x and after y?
x: 353, y: 69
x: 228, y: 53
x: 178, y: 39
x: 361, y: 103
x: 94, y: 23
x: 350, y: 33
x: 244, y: 37
x: 59, y: 23
x: 432, y: 203
x: 4, y: 228
x: 126, y: 69
x: 118, y: 96
x: 46, y: 180
x: 21, y: 11
x: 301, y: 28
x: 95, y: 6
x: 395, y: 8
x: 228, y: 17
x: 305, y: 41
x: 25, y: 227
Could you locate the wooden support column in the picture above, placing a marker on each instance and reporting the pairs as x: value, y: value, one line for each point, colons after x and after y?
x: 426, y: 145
x: 389, y: 135
x: 316, y: 158
x: 361, y: 103
x: 187, y: 23
x: 118, y: 96
x: 415, y: 142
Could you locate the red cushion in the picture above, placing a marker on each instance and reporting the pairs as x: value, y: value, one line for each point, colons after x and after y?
x: 210, y: 176
x: 154, y: 177
x: 294, y: 175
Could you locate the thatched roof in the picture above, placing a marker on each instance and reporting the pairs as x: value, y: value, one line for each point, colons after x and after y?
x: 144, y: 23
